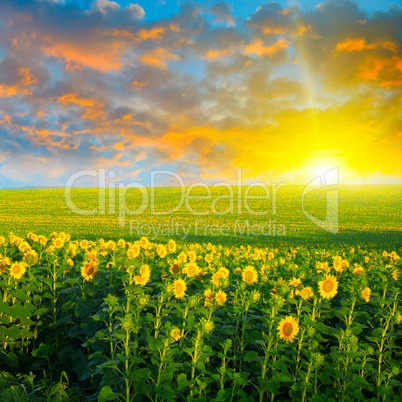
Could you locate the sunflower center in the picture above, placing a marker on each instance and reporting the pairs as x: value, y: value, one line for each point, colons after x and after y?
x: 179, y: 288
x: 17, y: 269
x: 328, y: 286
x: 248, y: 276
x: 90, y: 270
x: 287, y: 329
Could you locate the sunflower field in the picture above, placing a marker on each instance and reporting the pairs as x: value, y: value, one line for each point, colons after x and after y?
x: 143, y: 321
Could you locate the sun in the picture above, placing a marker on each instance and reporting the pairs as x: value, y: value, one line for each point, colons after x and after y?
x: 323, y: 166
x: 320, y: 170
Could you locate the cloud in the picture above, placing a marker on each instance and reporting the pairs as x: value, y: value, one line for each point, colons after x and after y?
x: 158, y: 58
x: 222, y: 13
x: 197, y: 93
x: 135, y: 11
x: 105, y: 6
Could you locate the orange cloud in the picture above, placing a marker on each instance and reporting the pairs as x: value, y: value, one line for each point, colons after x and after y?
x: 276, y: 30
x: 153, y: 33
x: 258, y: 49
x: 387, y: 72
x: 93, y: 109
x: 138, y: 85
x: 159, y: 58
x: 214, y: 54
x: 22, y: 87
x: 100, y: 56
x: 351, y: 45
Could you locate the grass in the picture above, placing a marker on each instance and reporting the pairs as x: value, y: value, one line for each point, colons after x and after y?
x: 369, y: 214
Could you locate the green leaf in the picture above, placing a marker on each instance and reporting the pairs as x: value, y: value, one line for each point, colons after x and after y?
x: 42, y: 351
x: 221, y: 396
x: 154, y: 344
x: 182, y: 381
x: 107, y: 394
x: 13, y: 332
x: 166, y: 393
x: 251, y: 357
x: 11, y: 359
x: 273, y: 385
x: 140, y: 374
x: 377, y: 332
x: 19, y: 294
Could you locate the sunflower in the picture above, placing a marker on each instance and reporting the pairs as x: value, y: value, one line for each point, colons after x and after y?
x: 322, y: 266
x: 191, y: 269
x: 4, y: 262
x: 294, y: 282
x: 366, y: 294
x: 250, y: 275
x: 142, y: 300
x: 133, y: 252
x: 31, y: 257
x: 58, y: 243
x: 121, y: 243
x: 224, y: 272
x: 207, y: 326
x: 208, y: 297
x: 208, y: 258
x: 144, y: 242
x: 328, y: 288
x: 288, y: 328
x: 306, y: 293
x: 24, y: 247
x: 17, y: 270
x: 256, y: 296
x: 175, y: 268
x: 221, y: 297
x: 12, y: 237
x: 216, y: 278
x: 179, y: 288
x: 88, y: 270
x: 2, y: 240
x: 395, y: 274
x: 175, y: 334
x: 91, y: 256
x: 337, y: 264
x: 111, y: 245
x: 84, y: 244
x: 172, y: 246
x: 182, y: 257
x: 358, y: 269
x: 192, y: 256
x: 161, y: 251
x: 143, y: 278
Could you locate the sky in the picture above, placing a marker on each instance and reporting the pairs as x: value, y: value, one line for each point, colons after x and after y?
x: 282, y: 90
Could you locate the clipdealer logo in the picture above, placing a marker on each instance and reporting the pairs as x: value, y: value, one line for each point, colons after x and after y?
x: 237, y: 203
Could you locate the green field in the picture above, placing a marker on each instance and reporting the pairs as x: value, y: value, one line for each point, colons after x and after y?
x: 298, y: 313
x: 370, y: 214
